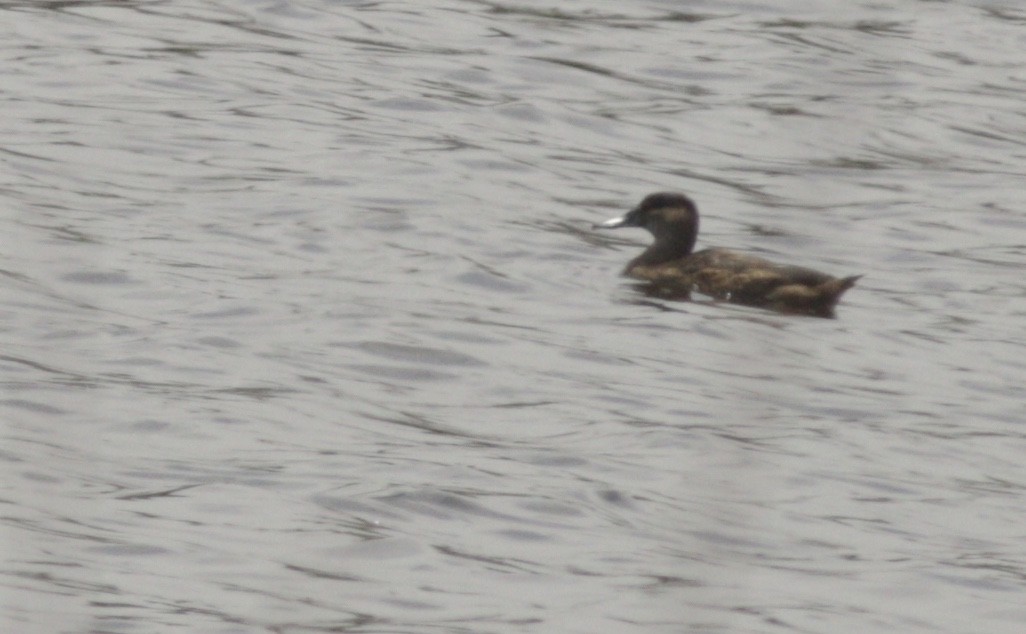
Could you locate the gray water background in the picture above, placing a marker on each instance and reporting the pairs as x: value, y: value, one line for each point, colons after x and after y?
x: 305, y: 328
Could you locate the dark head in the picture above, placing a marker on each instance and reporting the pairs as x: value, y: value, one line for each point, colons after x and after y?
x: 670, y: 217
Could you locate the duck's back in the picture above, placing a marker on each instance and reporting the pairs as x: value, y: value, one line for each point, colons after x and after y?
x: 745, y: 279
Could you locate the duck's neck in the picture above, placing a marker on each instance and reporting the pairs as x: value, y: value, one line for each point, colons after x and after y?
x: 664, y: 250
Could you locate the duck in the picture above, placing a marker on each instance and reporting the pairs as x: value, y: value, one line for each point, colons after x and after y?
x: 670, y: 270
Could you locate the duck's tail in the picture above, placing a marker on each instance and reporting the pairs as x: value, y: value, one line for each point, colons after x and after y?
x: 830, y: 293
x: 835, y: 288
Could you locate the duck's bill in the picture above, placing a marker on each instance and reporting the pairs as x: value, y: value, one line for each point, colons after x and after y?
x: 613, y: 223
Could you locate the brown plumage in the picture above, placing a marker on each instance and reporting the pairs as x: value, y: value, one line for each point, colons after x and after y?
x: 673, y: 271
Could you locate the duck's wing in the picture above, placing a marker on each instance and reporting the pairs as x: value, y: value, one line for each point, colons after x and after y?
x: 742, y: 277
x: 734, y: 263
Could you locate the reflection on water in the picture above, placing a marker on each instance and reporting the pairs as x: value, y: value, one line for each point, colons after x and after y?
x: 306, y: 329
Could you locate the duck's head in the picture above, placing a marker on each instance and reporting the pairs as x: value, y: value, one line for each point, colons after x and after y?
x: 670, y: 217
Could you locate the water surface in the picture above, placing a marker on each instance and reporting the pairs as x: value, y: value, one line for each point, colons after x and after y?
x: 305, y: 328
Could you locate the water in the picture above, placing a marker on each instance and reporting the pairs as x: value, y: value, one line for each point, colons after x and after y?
x: 305, y: 328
